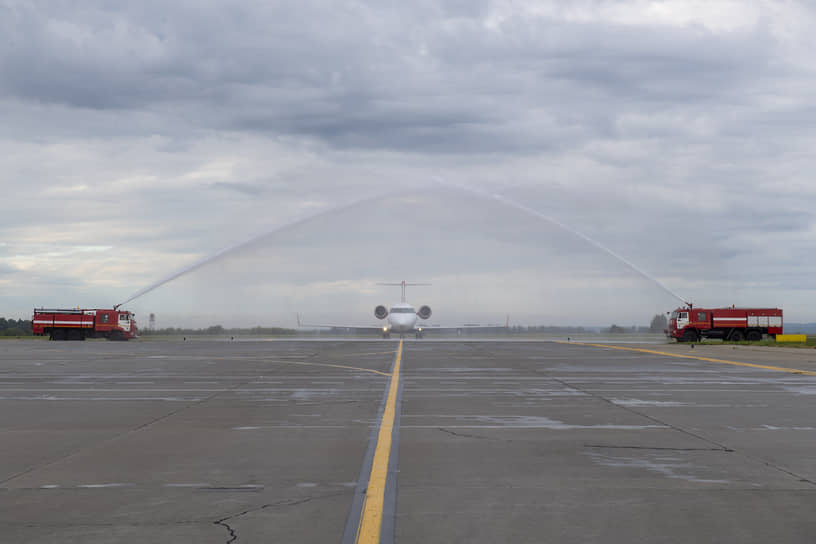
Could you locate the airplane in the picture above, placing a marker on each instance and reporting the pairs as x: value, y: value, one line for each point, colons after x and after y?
x: 402, y: 317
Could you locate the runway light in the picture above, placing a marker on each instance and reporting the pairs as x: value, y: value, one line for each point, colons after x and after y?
x: 420, y: 329
x: 385, y: 329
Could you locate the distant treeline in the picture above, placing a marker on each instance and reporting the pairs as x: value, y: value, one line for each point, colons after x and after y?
x: 516, y: 329
x: 218, y: 330
x: 15, y: 327
x: 616, y: 329
x: 800, y: 328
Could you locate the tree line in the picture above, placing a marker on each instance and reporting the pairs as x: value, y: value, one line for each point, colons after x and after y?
x: 15, y: 327
x: 659, y: 323
x: 218, y: 330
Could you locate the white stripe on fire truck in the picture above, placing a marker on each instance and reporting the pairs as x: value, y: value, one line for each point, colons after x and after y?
x: 49, y: 322
x: 731, y: 318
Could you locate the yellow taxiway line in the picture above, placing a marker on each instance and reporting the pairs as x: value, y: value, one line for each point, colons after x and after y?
x: 685, y: 356
x: 371, y: 520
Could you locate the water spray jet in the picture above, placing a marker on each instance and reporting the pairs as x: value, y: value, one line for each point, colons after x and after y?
x: 240, y: 245
x: 482, y: 194
x: 535, y: 213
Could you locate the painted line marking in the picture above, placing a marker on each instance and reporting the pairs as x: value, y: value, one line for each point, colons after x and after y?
x: 372, y: 517
x: 102, y: 486
x: 683, y: 356
x: 389, y: 352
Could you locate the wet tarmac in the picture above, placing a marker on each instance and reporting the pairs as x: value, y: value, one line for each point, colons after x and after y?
x: 258, y: 441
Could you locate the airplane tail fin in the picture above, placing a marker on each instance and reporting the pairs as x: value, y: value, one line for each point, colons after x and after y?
x: 399, y: 283
x: 298, y: 319
x: 403, y: 284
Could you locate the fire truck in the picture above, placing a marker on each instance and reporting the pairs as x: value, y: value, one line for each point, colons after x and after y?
x: 79, y: 324
x: 690, y: 324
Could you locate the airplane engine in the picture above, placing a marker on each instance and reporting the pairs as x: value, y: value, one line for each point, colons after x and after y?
x: 424, y: 312
x: 380, y: 312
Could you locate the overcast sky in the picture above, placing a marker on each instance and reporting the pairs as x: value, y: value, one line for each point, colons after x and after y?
x: 137, y: 138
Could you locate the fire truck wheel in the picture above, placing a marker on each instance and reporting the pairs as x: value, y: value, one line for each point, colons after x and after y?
x: 736, y: 336
x: 690, y: 336
x: 753, y: 336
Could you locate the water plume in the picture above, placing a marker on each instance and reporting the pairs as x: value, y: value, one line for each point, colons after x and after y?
x: 535, y: 213
x: 226, y: 251
x: 240, y: 245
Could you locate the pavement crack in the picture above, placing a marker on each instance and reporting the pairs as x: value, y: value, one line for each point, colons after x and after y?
x: 718, y: 446
x: 677, y: 428
x: 233, y: 536
x: 90, y: 447
x: 465, y: 435
x: 789, y: 472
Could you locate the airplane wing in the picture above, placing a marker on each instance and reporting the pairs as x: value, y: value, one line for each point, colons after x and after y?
x: 457, y: 329
x: 338, y: 325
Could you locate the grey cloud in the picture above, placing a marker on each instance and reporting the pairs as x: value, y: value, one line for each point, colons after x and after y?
x: 378, y: 79
x: 246, y: 189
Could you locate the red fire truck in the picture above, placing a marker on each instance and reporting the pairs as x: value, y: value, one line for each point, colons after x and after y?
x: 79, y: 324
x: 691, y: 324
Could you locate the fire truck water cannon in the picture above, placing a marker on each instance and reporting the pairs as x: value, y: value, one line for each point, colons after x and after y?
x: 690, y: 324
x: 79, y: 324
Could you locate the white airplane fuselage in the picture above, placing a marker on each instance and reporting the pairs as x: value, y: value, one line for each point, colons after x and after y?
x: 402, y: 318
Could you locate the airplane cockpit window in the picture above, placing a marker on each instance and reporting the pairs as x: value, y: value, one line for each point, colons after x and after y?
x: 402, y: 311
